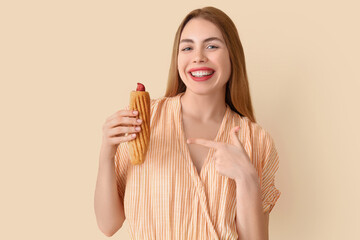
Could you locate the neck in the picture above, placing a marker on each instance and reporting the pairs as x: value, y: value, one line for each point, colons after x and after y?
x: 203, y: 108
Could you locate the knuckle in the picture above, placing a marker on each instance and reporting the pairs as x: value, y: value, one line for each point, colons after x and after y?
x: 120, y: 119
x: 111, y: 141
x: 119, y: 113
x: 107, y: 135
x: 119, y: 130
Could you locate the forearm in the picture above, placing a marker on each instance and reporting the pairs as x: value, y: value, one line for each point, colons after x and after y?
x: 109, y: 210
x: 250, y: 219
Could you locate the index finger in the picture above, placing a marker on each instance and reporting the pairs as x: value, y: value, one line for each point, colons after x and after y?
x: 123, y: 113
x: 203, y: 142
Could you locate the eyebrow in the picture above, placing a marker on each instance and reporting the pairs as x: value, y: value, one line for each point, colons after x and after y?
x: 206, y: 40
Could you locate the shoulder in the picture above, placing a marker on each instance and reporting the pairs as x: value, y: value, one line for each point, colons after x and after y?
x: 162, y: 105
x: 256, y: 130
x: 162, y: 101
x: 258, y: 136
x: 155, y: 103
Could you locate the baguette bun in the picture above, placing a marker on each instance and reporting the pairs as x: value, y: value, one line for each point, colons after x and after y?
x: 140, y: 101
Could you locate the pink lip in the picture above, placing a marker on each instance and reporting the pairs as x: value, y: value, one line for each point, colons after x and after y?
x: 200, y: 79
x: 202, y: 68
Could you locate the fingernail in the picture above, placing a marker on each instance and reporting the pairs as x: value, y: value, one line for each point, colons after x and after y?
x: 135, y: 112
x: 137, y: 128
x: 133, y: 135
x: 187, y: 141
x: 139, y: 120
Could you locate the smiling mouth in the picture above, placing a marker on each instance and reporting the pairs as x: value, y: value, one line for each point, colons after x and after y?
x: 201, y: 76
x: 202, y: 73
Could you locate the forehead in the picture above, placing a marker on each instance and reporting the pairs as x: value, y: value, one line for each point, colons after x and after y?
x: 199, y: 29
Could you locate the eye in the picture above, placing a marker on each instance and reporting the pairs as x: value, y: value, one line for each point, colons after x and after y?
x: 186, y: 49
x: 213, y: 46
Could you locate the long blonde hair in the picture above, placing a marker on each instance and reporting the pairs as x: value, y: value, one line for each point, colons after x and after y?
x: 237, y: 94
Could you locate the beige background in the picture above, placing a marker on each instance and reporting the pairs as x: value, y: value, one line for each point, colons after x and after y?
x: 65, y: 66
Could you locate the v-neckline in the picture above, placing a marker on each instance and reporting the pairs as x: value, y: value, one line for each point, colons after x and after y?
x: 185, y: 145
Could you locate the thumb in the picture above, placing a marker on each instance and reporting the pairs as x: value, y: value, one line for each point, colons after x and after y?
x: 234, y: 138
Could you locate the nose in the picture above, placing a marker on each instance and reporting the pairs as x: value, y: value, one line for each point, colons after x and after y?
x: 199, y: 56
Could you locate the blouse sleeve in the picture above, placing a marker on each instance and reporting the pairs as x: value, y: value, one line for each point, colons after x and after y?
x: 270, y: 164
x: 121, y: 165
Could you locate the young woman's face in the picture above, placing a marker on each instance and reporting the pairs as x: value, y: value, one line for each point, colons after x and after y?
x: 203, y: 59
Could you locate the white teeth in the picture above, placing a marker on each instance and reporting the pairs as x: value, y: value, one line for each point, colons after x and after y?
x: 201, y: 73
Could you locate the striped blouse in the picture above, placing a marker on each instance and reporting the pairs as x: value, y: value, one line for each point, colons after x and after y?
x: 166, y: 198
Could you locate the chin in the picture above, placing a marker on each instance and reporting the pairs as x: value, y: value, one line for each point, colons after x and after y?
x: 202, y: 91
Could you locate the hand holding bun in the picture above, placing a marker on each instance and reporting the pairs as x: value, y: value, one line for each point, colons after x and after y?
x: 140, y: 101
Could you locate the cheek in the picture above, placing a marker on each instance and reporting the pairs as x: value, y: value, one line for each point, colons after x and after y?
x: 226, y: 66
x: 224, y: 58
x: 182, y: 67
x: 180, y: 64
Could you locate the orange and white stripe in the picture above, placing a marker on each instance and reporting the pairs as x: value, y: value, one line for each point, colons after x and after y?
x: 166, y: 198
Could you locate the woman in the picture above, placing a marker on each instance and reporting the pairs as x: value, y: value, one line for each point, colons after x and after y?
x: 210, y: 168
